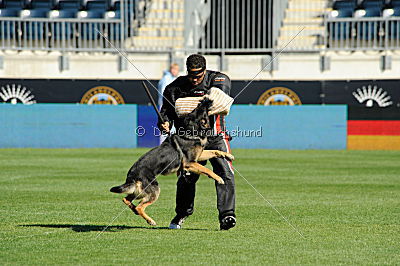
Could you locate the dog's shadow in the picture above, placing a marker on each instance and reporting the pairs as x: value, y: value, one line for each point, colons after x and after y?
x: 81, y: 228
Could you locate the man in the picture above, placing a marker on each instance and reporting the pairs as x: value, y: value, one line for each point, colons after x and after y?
x: 167, y: 78
x: 197, y: 83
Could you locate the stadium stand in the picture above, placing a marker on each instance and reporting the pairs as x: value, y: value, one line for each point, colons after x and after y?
x: 161, y: 25
x: 34, y: 30
x: 341, y: 9
x: 214, y: 27
x: 64, y: 9
x: 362, y: 24
x: 369, y: 30
x: 393, y: 27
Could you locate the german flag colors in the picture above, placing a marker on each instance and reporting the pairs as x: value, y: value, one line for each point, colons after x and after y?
x: 382, y: 132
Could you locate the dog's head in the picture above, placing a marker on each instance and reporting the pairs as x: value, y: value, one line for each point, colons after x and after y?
x: 198, y: 120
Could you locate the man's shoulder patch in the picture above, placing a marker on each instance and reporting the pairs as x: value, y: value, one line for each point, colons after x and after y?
x: 219, y: 78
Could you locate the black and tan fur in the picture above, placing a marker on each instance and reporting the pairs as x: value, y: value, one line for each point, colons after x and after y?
x: 178, y: 152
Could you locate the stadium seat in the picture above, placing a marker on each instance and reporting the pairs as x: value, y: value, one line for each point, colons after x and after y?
x: 7, y: 28
x: 369, y: 8
x: 395, y: 3
x: 392, y: 10
x: 40, y: 4
x: 368, y: 30
x: 129, y: 9
x: 10, y: 8
x: 114, y: 4
x: 34, y: 30
x: 341, y: 30
x: 92, y: 9
x: 5, y: 12
x: 63, y: 9
x: 392, y: 27
x: 14, y: 4
x: 113, y: 31
x: 343, y: 8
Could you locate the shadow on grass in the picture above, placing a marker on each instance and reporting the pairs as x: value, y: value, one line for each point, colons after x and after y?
x: 89, y: 228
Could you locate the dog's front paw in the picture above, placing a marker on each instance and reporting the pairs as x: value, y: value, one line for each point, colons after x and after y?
x: 220, y: 181
x: 230, y: 157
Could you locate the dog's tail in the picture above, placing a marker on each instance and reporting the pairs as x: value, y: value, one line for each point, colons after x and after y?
x: 124, y: 188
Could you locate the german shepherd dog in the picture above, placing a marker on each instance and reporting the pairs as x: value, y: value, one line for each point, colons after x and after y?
x: 177, y: 152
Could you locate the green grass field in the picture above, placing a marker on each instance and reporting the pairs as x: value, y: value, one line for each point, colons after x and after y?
x: 55, y: 204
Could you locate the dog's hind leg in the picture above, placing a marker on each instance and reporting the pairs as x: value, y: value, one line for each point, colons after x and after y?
x: 147, y: 201
x: 208, y: 154
x: 200, y: 169
x: 128, y: 201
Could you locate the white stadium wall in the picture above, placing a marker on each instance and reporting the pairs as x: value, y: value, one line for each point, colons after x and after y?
x: 343, y: 66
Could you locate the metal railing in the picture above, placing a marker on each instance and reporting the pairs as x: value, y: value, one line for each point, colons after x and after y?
x: 59, y: 34
x: 236, y: 25
x: 73, y: 34
x: 362, y: 33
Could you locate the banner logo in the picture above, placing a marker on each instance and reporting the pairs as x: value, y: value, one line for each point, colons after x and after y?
x: 16, y: 94
x: 279, y: 96
x: 102, y: 95
x: 372, y: 96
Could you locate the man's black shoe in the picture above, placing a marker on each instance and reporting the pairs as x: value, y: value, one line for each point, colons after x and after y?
x: 227, y: 223
x: 177, y: 222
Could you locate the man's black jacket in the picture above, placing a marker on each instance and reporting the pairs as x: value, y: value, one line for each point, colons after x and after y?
x: 181, y: 87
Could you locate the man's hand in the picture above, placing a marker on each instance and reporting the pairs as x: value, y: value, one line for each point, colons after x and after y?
x: 165, y: 127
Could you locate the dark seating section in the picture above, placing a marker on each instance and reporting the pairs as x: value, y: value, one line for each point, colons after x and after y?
x: 36, y: 9
x: 33, y: 30
x: 115, y: 6
x: 359, y: 28
x: 392, y: 9
x: 393, y: 27
x: 368, y: 8
x: 373, y: 8
x: 93, y: 9
x: 10, y: 8
x: 368, y: 30
x: 59, y: 9
x: 341, y: 9
x: 344, y: 9
x: 65, y: 8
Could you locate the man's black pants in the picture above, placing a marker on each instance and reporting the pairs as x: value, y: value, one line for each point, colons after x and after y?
x: 186, y: 185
